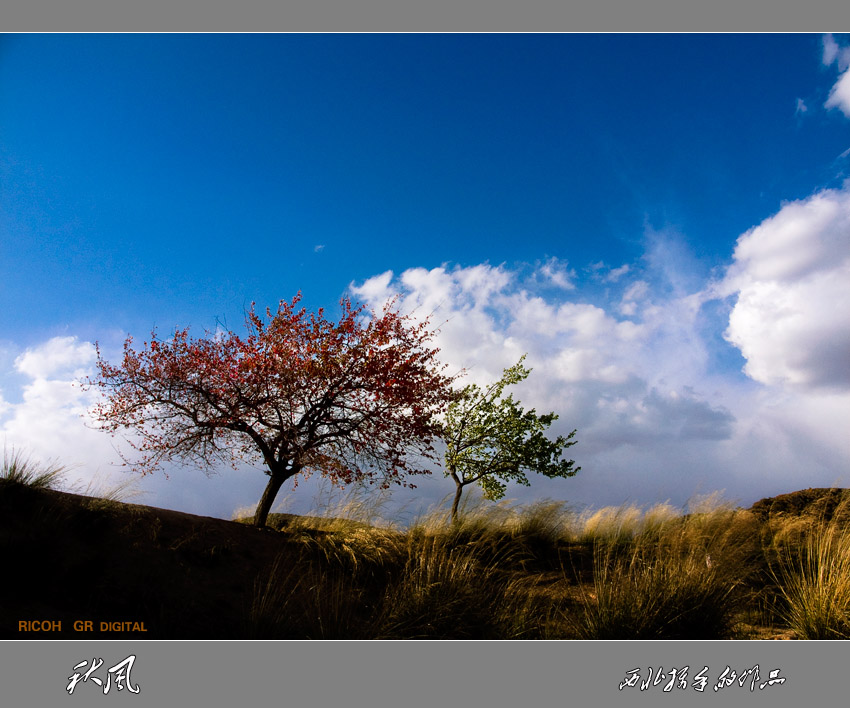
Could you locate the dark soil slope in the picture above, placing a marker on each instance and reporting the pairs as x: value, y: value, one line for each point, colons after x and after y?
x: 69, y: 558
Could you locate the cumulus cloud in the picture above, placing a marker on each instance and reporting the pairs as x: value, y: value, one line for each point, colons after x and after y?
x: 791, y: 276
x: 49, y: 419
x: 588, y: 363
x: 60, y: 355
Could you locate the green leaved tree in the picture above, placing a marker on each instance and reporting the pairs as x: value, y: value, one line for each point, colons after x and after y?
x: 491, y: 440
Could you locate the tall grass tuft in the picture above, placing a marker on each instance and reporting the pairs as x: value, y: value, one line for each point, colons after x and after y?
x: 448, y: 590
x: 21, y: 469
x: 304, y: 600
x: 653, y: 594
x: 813, y: 577
x: 665, y: 577
x: 610, y: 524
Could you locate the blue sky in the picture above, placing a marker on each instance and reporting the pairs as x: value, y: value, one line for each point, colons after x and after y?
x: 660, y: 221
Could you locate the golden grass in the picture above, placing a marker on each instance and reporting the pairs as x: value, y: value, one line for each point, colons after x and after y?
x: 811, y: 568
x: 503, y: 571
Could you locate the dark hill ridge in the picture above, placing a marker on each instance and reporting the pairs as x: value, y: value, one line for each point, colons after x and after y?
x: 819, y: 503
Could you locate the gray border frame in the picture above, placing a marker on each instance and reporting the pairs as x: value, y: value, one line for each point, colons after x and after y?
x: 413, y: 674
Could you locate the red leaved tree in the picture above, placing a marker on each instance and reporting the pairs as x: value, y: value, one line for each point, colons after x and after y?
x: 354, y: 400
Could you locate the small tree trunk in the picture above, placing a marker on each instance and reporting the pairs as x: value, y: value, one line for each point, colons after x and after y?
x: 456, y: 502
x: 272, y: 488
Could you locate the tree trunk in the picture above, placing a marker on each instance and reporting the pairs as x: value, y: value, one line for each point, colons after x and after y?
x: 272, y: 488
x: 456, y: 501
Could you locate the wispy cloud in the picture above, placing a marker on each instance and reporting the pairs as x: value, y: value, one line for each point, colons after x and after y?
x: 834, y: 53
x: 839, y: 96
x: 614, y: 275
x: 557, y: 273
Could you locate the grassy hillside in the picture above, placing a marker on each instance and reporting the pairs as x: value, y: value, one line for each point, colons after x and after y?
x: 779, y: 570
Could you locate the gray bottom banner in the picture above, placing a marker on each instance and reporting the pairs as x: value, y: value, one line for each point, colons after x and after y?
x: 413, y: 674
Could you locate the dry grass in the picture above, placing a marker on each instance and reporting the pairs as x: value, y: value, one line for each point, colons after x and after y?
x: 811, y: 568
x: 19, y: 468
x: 669, y: 578
x: 655, y: 574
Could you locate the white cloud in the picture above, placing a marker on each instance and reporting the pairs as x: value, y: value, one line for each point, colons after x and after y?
x: 805, y: 237
x: 58, y: 355
x: 635, y: 293
x: 49, y: 419
x: 601, y: 271
x: 601, y: 374
x: 376, y: 289
x: 801, y: 107
x: 791, y: 275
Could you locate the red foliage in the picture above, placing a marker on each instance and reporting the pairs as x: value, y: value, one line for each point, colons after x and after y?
x: 354, y: 400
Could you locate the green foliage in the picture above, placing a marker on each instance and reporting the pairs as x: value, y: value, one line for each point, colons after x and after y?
x: 492, y: 441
